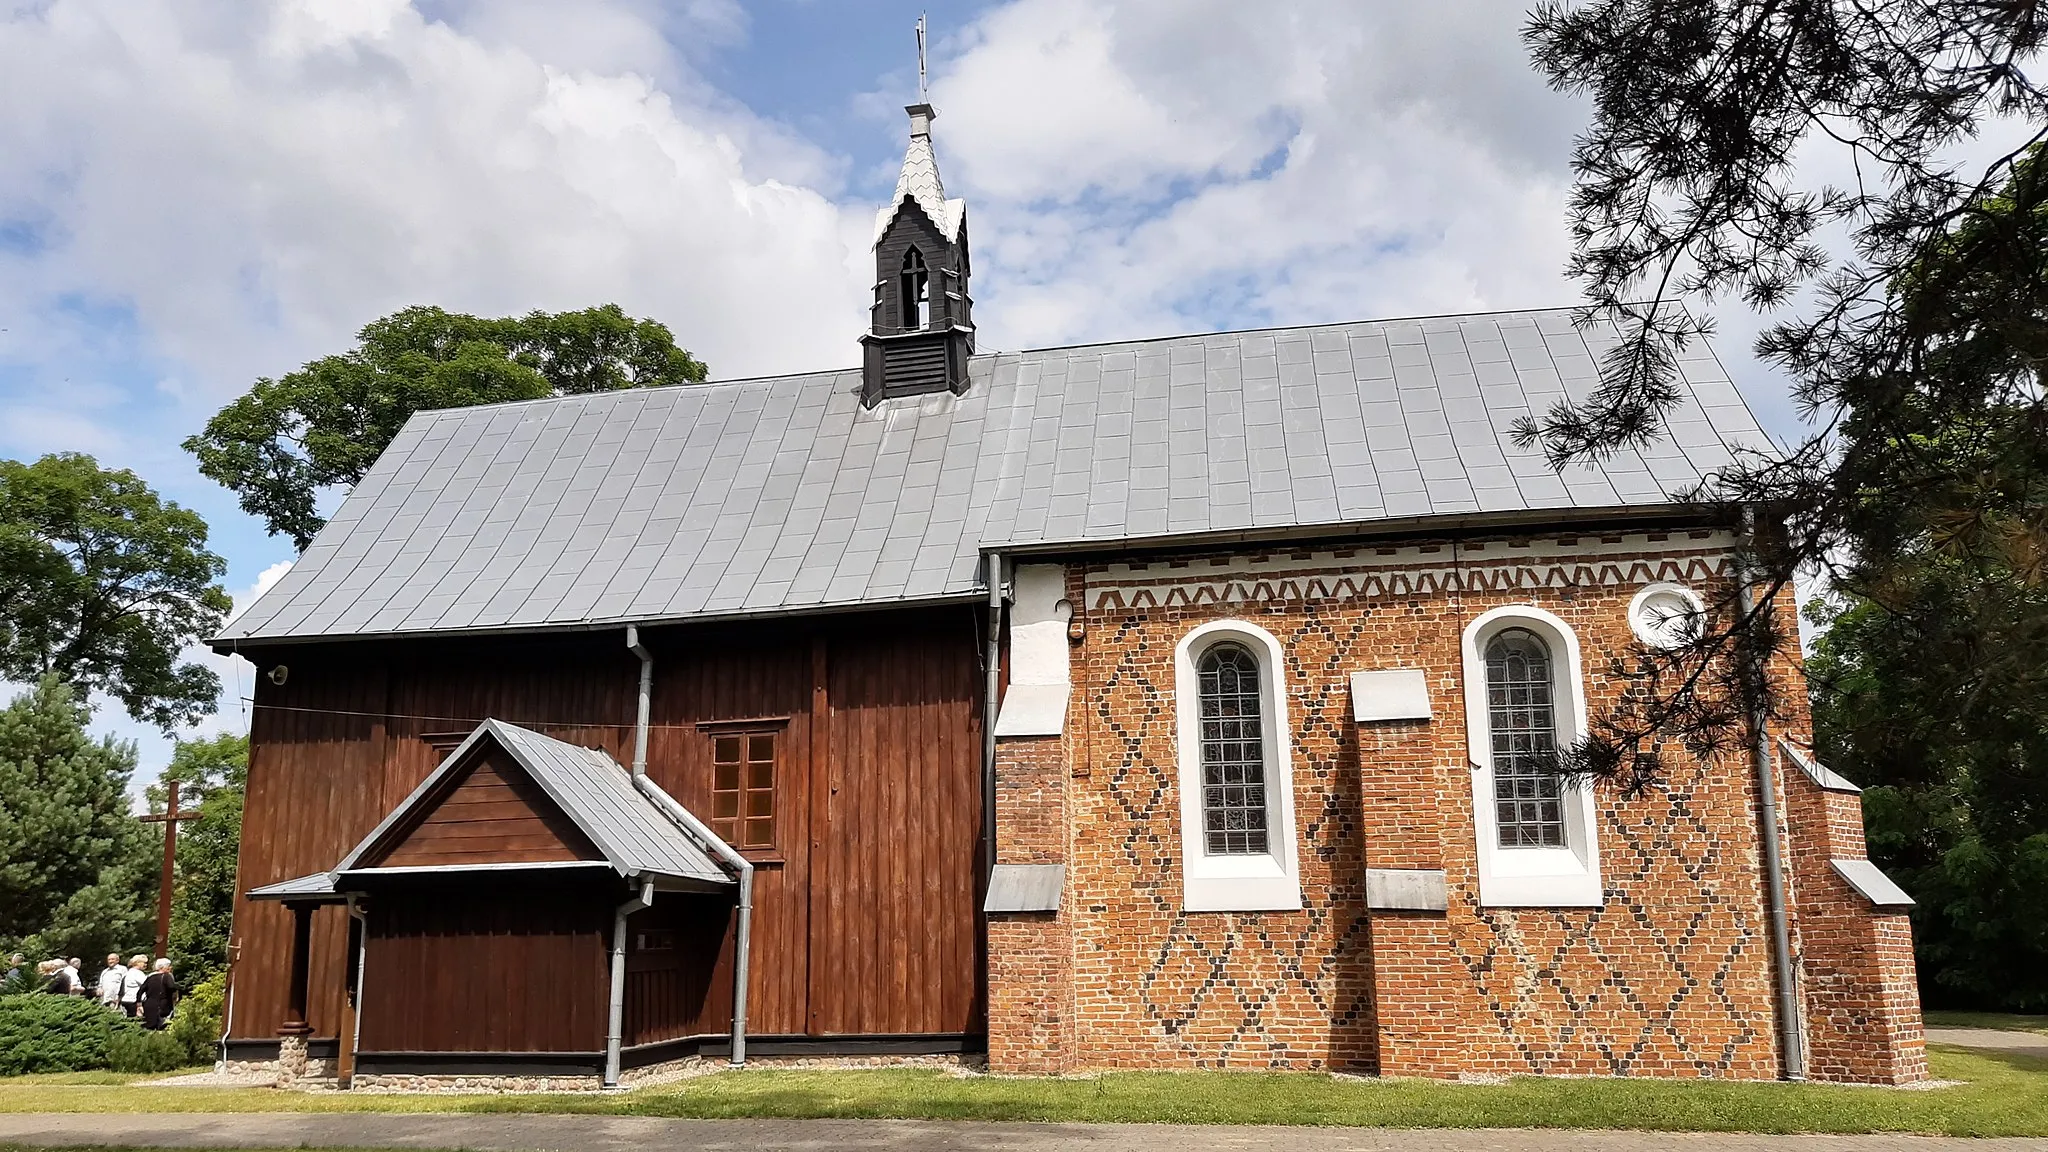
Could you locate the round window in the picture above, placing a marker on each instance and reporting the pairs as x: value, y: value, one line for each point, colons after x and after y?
x: 1666, y: 615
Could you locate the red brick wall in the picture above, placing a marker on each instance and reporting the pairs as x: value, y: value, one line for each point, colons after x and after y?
x: 1029, y: 959
x: 1861, y: 993
x: 1670, y: 977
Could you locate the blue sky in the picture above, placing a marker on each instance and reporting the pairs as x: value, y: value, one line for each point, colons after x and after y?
x: 201, y: 192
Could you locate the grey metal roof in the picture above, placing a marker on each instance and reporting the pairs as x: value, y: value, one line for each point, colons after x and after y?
x: 1872, y: 884
x: 784, y: 494
x: 1816, y: 771
x: 1025, y: 888
x: 318, y: 886
x: 634, y: 835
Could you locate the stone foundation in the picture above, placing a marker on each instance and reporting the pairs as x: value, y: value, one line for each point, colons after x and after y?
x: 668, y: 1070
x: 475, y: 1084
x: 316, y: 1068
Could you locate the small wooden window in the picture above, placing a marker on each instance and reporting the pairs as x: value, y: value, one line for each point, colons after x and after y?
x: 743, y: 788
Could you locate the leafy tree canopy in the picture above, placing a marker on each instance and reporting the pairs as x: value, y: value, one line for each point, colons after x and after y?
x: 104, y: 585
x: 1957, y: 802
x: 282, y: 442
x: 77, y: 871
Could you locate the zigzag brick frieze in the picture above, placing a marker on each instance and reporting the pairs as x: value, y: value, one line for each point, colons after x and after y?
x: 1419, y: 570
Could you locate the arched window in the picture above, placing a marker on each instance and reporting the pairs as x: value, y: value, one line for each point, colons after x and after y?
x: 1233, y: 752
x: 1238, y: 841
x: 916, y: 291
x: 1537, y: 840
x: 1522, y: 715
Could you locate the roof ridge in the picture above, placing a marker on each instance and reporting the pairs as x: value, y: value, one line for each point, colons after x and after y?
x: 770, y: 378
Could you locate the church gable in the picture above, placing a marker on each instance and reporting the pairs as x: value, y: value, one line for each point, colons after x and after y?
x: 490, y: 812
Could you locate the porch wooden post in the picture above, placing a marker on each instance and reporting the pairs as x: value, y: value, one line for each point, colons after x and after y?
x: 291, y: 1035
x: 302, y: 936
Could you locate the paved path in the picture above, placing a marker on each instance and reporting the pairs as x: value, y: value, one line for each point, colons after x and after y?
x: 513, y: 1133
x: 2023, y: 1043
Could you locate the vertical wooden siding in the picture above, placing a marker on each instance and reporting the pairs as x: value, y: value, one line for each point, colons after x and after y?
x: 865, y: 921
x: 686, y: 990
x: 486, y: 969
x: 898, y: 952
x: 495, y: 814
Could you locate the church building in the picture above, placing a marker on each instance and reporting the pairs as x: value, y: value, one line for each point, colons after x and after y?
x: 1167, y: 704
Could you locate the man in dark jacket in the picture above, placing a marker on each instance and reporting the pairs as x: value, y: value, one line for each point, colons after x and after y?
x: 159, y: 995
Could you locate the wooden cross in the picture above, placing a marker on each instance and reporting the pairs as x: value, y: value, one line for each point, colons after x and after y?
x: 169, y: 818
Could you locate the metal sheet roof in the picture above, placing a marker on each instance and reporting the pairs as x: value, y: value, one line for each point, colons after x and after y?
x: 632, y: 832
x: 1025, y: 888
x: 318, y: 886
x: 1872, y: 884
x: 784, y: 494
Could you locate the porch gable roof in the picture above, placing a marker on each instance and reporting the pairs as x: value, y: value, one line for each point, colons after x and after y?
x: 632, y: 833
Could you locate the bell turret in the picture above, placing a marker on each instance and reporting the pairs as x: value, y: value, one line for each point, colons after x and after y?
x: 921, y: 328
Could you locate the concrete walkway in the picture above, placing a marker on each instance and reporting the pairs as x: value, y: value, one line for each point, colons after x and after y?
x: 2021, y: 1043
x: 514, y: 1133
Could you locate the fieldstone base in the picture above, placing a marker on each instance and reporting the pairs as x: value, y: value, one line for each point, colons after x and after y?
x: 393, y: 1082
x: 315, y: 1068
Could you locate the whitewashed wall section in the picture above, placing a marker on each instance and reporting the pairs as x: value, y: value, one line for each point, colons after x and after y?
x: 1040, y: 681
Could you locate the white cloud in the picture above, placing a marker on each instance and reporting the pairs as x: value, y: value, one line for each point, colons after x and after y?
x: 252, y: 184
x: 1174, y: 165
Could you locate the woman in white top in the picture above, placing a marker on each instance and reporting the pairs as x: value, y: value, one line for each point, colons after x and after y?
x: 131, y: 982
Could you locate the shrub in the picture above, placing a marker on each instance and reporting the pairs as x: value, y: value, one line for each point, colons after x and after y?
x: 196, y: 1023
x: 44, y: 1033
x: 132, y: 1049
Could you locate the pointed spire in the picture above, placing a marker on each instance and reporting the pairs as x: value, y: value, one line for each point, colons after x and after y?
x: 919, y: 180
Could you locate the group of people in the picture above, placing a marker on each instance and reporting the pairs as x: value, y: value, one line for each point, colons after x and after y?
x: 136, y: 989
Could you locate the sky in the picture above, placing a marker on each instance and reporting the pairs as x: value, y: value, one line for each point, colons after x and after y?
x: 199, y: 193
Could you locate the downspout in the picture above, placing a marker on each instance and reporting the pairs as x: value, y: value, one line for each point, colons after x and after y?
x: 1790, y: 1039
x: 355, y: 1040
x: 706, y: 838
x: 742, y: 947
x: 615, y: 1022
x: 992, y: 668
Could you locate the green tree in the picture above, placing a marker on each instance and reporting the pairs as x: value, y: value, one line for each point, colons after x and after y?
x: 77, y: 871
x: 285, y: 440
x: 1952, y: 741
x: 104, y: 585
x: 212, y: 775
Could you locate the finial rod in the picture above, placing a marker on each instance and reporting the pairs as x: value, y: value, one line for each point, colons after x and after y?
x: 922, y: 96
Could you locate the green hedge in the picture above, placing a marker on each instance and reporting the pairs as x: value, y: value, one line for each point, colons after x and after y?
x: 196, y: 1023
x: 40, y: 1032
x: 133, y: 1049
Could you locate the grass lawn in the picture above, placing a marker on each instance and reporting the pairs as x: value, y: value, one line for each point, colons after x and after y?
x: 2003, y: 1095
x: 2003, y: 1021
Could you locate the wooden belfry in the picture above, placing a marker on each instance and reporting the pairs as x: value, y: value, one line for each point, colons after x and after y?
x: 170, y: 817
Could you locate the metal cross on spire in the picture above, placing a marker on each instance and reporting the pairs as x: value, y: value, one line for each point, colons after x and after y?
x: 922, y: 98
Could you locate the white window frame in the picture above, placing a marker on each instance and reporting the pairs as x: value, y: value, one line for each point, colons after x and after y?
x: 1269, y: 881
x: 1528, y: 877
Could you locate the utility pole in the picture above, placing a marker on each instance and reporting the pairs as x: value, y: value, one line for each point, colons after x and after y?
x: 170, y: 818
